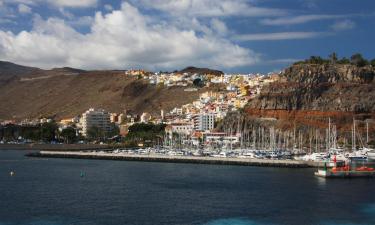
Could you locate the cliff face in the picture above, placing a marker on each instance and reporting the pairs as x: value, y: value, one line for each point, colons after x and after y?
x: 345, y: 88
x: 307, y: 95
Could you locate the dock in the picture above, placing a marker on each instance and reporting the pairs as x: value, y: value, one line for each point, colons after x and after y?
x: 172, y: 159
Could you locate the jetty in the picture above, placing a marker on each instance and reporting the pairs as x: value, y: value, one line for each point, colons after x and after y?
x: 172, y: 159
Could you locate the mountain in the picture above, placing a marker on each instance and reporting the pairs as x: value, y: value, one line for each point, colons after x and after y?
x: 8, y: 70
x: 67, y: 92
x: 307, y: 95
x: 193, y: 70
x: 328, y: 87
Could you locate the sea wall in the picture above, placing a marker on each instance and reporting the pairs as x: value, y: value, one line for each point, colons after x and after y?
x: 54, y: 147
x: 173, y: 159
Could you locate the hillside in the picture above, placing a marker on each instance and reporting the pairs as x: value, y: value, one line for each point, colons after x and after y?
x: 329, y: 87
x: 308, y: 94
x: 193, y: 70
x: 67, y: 92
x: 8, y: 69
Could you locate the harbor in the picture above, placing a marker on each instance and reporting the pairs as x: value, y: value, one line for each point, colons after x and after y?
x: 174, y: 159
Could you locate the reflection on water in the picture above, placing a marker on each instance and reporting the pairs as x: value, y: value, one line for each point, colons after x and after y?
x: 321, y: 181
x: 369, y: 210
x: 234, y: 221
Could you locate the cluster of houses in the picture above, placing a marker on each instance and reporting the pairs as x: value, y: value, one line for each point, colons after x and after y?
x: 195, y: 119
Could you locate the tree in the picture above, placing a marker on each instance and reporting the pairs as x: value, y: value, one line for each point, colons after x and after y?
x: 333, y: 57
x: 48, y: 131
x: 198, y: 82
x: 69, y: 135
x: 142, y: 132
x: 358, y: 60
x: 95, y: 133
x: 344, y: 60
x: 114, y: 132
x: 372, y: 62
x: 317, y: 60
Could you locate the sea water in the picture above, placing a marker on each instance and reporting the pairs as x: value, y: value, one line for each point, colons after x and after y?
x: 54, y: 192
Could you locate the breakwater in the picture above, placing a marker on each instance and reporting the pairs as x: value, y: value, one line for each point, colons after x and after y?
x: 53, y: 147
x: 173, y: 159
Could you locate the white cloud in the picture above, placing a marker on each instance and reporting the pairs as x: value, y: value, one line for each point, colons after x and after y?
x: 24, y: 9
x: 121, y: 39
x: 219, y: 26
x: 279, y: 36
x: 74, y: 3
x: 5, y: 20
x: 58, y: 3
x: 210, y: 8
x: 298, y: 19
x: 343, y: 25
x: 81, y: 21
x: 108, y: 7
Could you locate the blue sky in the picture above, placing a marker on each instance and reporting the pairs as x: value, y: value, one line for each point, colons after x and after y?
x: 231, y: 35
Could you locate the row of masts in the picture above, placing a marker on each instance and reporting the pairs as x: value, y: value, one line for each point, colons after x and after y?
x: 262, y: 138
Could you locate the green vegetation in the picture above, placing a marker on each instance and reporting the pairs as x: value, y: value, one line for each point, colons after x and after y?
x: 198, y: 82
x: 46, y: 132
x: 145, y: 133
x: 356, y: 59
x: 372, y: 62
x: 69, y: 135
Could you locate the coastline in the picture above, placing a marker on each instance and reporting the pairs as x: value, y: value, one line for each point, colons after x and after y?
x: 54, y: 147
x: 174, y: 159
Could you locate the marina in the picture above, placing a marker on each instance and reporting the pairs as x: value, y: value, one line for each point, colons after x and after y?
x: 173, y: 159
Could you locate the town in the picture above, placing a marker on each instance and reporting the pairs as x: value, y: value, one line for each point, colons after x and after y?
x: 193, y: 121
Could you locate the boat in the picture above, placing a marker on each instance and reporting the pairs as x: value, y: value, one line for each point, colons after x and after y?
x: 345, y: 173
x: 344, y: 170
x: 371, y: 155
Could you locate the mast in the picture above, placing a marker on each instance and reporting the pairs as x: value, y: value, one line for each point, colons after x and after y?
x: 354, y: 146
x: 366, y: 133
x: 329, y: 133
x: 316, y: 140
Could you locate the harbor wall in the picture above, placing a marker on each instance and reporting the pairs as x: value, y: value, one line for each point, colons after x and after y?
x: 54, y: 147
x: 173, y: 159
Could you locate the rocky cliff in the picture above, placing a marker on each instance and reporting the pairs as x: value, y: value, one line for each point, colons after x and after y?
x: 306, y: 95
x: 328, y: 87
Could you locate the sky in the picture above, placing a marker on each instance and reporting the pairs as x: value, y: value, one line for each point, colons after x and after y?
x: 236, y: 36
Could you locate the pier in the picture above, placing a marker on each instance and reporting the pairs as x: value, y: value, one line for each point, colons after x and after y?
x: 173, y: 159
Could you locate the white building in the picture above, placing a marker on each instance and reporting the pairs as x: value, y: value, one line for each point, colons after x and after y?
x: 204, y: 122
x: 95, y: 118
x: 145, y: 117
x: 180, y: 128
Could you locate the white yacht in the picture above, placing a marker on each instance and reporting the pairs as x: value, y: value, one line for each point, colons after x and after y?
x: 371, y: 155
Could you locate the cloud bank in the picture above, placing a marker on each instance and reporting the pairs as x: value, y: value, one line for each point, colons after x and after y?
x: 123, y: 38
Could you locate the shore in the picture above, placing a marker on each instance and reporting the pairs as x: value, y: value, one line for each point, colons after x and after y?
x: 175, y: 159
x: 53, y: 147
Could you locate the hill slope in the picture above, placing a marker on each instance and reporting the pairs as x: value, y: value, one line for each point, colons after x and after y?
x: 68, y: 92
x: 307, y: 95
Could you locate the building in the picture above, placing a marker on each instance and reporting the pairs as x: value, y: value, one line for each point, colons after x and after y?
x: 180, y: 128
x: 145, y: 117
x: 96, y: 118
x: 114, y: 117
x: 204, y: 122
x: 121, y: 118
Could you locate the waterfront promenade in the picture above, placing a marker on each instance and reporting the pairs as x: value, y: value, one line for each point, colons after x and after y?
x: 174, y: 159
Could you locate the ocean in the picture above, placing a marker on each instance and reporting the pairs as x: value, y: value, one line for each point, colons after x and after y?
x: 84, y: 192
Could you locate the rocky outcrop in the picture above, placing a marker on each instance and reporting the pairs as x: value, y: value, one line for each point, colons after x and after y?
x: 327, y: 87
x: 306, y: 95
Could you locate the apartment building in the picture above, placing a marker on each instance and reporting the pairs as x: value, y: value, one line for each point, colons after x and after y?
x: 96, y: 118
x: 203, y: 122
